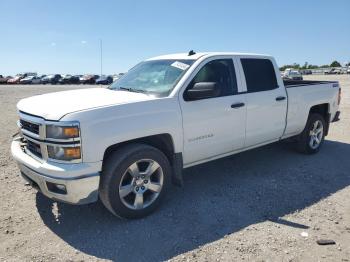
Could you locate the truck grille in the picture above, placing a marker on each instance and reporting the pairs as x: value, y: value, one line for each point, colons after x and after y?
x: 34, y: 148
x: 34, y: 128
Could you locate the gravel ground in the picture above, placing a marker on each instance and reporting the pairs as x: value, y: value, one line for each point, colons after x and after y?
x: 267, y: 204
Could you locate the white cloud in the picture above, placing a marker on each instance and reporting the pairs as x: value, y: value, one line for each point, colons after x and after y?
x: 83, y: 42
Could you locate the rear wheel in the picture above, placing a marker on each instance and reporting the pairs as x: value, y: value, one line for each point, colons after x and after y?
x: 134, y: 180
x: 311, y: 139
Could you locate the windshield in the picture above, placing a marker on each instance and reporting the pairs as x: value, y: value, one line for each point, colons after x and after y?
x: 157, y: 77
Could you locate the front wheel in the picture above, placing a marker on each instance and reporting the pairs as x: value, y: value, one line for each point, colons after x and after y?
x: 311, y: 139
x: 134, y: 180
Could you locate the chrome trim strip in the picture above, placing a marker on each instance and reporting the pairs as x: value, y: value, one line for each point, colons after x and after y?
x: 74, y: 140
x: 24, y: 131
x: 51, y: 144
x: 63, y: 143
x: 73, y: 161
x: 63, y: 178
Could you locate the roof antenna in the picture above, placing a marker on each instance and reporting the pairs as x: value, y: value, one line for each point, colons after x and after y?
x: 191, y: 53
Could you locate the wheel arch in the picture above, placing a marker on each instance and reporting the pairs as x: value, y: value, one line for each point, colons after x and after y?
x: 164, y: 143
x: 323, y: 110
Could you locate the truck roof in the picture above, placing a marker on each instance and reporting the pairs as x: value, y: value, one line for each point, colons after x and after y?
x: 185, y: 56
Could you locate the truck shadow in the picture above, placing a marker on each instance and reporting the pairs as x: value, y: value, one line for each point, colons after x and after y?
x: 218, y: 198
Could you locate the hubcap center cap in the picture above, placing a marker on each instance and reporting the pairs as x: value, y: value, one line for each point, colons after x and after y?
x: 139, y: 182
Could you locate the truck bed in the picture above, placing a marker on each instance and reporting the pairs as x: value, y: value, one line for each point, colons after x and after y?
x: 296, y: 83
x: 303, y: 96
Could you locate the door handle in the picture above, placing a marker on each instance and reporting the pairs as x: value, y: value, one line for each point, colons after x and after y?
x: 280, y: 98
x: 237, y: 105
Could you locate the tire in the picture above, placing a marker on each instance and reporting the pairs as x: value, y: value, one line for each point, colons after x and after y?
x: 315, y: 127
x: 125, y: 178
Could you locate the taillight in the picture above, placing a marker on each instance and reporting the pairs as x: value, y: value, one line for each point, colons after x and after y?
x: 339, y: 96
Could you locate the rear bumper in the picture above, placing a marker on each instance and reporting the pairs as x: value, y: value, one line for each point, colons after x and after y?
x: 70, y: 183
x: 336, y: 117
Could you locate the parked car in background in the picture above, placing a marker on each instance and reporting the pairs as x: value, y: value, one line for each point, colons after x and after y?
x: 348, y: 71
x: 330, y: 71
x: 292, y: 75
x: 36, y: 80
x: 69, y: 80
x: 51, y: 79
x: 26, y: 80
x: 81, y: 79
x: 306, y: 72
x: 104, y: 80
x: 30, y: 80
x: 89, y: 79
x: 337, y: 71
x: 29, y: 74
x: 15, y: 80
x: 3, y: 80
x: 115, y: 77
x: 326, y: 71
x: 23, y: 75
x: 8, y: 78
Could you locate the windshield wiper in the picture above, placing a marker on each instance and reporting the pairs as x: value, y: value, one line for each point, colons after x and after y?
x: 130, y: 89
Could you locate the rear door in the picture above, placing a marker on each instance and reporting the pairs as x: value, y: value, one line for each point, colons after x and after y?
x: 266, y: 100
x: 216, y: 125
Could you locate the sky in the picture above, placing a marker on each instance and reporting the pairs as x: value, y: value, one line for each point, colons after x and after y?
x: 64, y: 36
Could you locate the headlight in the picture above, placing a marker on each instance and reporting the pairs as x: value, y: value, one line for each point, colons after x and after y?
x: 64, y: 153
x: 62, y: 132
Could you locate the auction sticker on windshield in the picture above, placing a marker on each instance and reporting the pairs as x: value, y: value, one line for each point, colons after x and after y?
x: 180, y: 65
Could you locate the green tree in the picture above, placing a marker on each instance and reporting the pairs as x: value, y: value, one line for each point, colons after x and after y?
x: 335, y: 64
x: 313, y: 66
x: 296, y: 66
x: 305, y: 66
x: 282, y: 68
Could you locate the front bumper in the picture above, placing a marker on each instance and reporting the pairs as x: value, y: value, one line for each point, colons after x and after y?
x: 71, y: 183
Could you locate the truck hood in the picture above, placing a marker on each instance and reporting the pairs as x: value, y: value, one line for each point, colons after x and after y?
x: 54, y: 106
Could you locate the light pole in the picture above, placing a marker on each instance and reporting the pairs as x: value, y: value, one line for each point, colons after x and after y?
x: 101, y: 55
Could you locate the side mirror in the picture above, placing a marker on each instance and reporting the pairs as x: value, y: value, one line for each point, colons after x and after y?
x: 203, y: 90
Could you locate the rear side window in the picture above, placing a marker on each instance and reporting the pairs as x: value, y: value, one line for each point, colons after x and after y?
x: 259, y: 74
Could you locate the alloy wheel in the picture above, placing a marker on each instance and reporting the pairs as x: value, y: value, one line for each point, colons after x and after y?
x: 141, y: 184
x: 316, y: 134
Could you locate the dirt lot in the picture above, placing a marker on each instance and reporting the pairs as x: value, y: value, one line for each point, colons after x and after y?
x: 268, y: 204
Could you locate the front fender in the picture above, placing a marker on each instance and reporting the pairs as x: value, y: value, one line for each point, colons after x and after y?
x: 106, y: 126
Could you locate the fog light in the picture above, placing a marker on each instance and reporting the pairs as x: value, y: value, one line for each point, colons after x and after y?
x: 61, y: 187
x: 56, y: 188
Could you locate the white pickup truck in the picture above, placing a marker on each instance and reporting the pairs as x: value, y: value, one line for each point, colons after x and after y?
x: 125, y: 144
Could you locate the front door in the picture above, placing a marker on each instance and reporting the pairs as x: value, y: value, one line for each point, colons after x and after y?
x: 214, y: 125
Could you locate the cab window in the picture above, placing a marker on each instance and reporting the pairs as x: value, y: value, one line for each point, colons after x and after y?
x: 259, y: 74
x: 221, y: 72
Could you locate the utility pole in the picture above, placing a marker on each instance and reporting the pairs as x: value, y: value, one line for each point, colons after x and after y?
x: 101, y: 55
